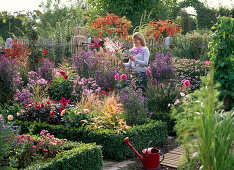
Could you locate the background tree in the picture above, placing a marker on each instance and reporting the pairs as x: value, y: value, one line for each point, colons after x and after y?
x: 134, y: 9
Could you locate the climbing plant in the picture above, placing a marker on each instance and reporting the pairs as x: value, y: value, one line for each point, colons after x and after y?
x: 222, y: 58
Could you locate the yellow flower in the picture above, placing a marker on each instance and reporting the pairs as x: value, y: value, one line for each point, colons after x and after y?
x: 1, y: 116
x: 18, y: 114
x: 10, y: 117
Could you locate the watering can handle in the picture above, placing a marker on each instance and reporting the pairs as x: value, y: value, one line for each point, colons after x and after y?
x: 148, y: 147
x: 161, y: 153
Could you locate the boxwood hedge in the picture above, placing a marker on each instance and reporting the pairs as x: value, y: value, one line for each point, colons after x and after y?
x: 112, y: 143
x: 77, y: 156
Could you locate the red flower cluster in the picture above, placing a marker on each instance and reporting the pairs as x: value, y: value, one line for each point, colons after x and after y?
x: 17, y: 51
x: 64, y: 74
x: 44, y: 52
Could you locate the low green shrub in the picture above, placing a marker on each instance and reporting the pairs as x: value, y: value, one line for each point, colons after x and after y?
x: 165, y: 117
x: 111, y: 142
x: 78, y: 156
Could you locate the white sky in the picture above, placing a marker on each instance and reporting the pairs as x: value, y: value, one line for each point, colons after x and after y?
x: 30, y: 5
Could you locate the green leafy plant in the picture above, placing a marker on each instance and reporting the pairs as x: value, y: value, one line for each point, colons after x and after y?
x: 222, y: 58
x: 7, y: 131
x: 31, y: 148
x: 61, y: 86
x: 77, y: 117
x: 161, y: 94
x: 110, y: 118
x: 197, y: 126
x: 191, y: 46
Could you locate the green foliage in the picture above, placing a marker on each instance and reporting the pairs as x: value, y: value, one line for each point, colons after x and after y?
x: 10, y: 24
x: 61, y: 87
x: 10, y: 110
x: 161, y: 94
x: 165, y: 117
x: 53, y: 13
x: 112, y: 146
x: 76, y: 117
x: 201, y: 128
x: 75, y: 156
x: 7, y: 131
x: 192, y: 70
x: 110, y: 118
x: 191, y: 46
x: 222, y: 57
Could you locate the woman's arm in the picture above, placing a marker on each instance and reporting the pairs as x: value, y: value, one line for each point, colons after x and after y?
x: 146, y: 55
x: 128, y: 64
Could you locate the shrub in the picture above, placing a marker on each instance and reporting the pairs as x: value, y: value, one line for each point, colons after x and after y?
x: 192, y: 70
x: 10, y: 112
x: 161, y: 68
x: 9, y: 79
x: 23, y: 97
x: 30, y: 149
x: 191, y: 46
x: 83, y: 86
x: 105, y: 78
x: 113, y: 147
x: 7, y: 131
x: 61, y: 86
x: 110, y: 118
x: 75, y: 156
x: 76, y: 117
x: 161, y: 94
x: 221, y: 53
x: 134, y: 104
x: 45, y: 111
x: 85, y: 64
x: 199, y: 122
x: 46, y: 69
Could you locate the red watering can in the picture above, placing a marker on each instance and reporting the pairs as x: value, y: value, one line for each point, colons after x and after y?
x: 150, y: 158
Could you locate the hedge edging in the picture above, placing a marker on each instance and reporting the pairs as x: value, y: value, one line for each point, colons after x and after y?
x: 112, y: 146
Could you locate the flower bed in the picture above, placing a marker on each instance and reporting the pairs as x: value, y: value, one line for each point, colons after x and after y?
x: 77, y: 156
x: 112, y: 146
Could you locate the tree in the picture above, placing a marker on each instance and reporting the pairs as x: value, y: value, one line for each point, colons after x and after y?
x: 133, y: 9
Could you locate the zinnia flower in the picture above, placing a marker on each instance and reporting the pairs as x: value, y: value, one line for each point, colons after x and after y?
x: 34, y: 147
x: 10, y: 117
x: 116, y: 77
x: 62, y: 72
x: 123, y: 76
x: 65, y: 77
x: 186, y: 83
x: 52, y: 114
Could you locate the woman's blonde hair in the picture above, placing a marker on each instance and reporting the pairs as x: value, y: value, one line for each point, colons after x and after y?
x: 140, y: 37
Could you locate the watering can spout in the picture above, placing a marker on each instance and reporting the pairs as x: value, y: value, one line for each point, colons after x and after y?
x: 126, y: 140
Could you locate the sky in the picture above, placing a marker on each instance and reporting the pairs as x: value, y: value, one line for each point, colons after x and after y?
x: 30, y: 5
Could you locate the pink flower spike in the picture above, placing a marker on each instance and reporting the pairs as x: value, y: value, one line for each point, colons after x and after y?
x: 123, y: 76
x: 186, y: 83
x: 116, y: 77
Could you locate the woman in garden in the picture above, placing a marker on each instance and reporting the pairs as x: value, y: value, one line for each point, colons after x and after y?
x: 138, y: 60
